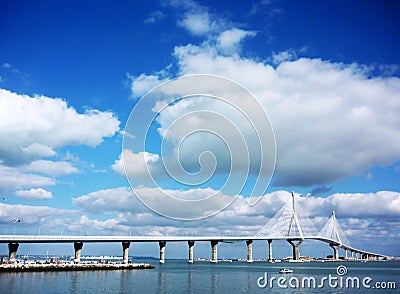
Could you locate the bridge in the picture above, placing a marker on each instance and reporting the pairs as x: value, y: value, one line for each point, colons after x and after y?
x: 287, y: 224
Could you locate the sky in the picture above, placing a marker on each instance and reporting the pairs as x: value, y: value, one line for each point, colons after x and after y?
x: 325, y: 73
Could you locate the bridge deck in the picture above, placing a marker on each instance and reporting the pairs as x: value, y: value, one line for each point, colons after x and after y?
x: 100, y: 239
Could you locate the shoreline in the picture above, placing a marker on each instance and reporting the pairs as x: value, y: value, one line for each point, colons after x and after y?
x: 12, y: 268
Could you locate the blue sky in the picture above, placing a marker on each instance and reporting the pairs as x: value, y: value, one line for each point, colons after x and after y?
x: 325, y: 72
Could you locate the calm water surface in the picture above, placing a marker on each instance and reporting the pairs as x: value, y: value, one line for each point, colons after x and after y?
x: 204, y: 277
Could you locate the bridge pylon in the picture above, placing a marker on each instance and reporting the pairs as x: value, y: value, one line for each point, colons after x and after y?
x: 291, y: 223
x: 294, y: 221
x: 333, y: 231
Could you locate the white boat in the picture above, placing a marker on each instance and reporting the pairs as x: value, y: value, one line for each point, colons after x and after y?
x: 285, y: 271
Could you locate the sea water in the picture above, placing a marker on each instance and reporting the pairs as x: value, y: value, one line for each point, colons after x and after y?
x: 177, y: 276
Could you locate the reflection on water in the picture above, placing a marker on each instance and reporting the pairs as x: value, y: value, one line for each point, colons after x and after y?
x: 161, y: 282
x: 214, y: 280
x: 190, y: 282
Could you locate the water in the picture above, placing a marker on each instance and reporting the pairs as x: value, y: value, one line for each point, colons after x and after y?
x: 177, y: 276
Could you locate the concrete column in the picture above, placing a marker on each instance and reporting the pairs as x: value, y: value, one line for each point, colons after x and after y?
x: 296, y: 251
x: 270, y: 259
x: 78, y: 248
x: 191, y: 251
x: 214, y: 253
x: 162, y: 251
x: 249, y: 250
x: 125, y: 249
x: 345, y: 253
x: 352, y: 255
x: 12, y: 251
x: 335, y: 252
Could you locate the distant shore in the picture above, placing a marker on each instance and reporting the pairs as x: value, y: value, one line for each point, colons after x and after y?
x: 72, y: 267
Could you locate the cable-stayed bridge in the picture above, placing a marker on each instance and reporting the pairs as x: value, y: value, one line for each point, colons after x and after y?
x: 289, y: 223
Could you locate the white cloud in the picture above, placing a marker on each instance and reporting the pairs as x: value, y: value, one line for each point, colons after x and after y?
x: 324, y: 114
x: 52, y: 168
x: 379, y: 204
x: 197, y: 24
x: 229, y: 40
x: 16, y: 178
x: 34, y: 127
x: 282, y: 56
x: 34, y: 194
x: 143, y: 83
x: 195, y: 18
x: 155, y: 17
x: 138, y: 165
x: 30, y: 215
x: 371, y: 205
x: 109, y: 200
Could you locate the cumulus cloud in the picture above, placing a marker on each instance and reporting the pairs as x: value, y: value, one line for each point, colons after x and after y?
x: 141, y: 166
x: 331, y: 120
x: 229, y: 40
x: 51, y: 168
x: 17, y: 178
x: 143, y: 83
x: 34, y: 127
x: 379, y: 204
x: 30, y: 215
x: 109, y: 200
x: 34, y: 194
x: 195, y: 18
x: 372, y: 205
x: 197, y: 23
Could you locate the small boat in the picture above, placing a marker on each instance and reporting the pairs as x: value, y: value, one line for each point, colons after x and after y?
x: 285, y: 271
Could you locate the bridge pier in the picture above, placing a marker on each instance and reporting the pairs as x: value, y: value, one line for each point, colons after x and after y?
x: 296, y: 251
x: 345, y: 254
x: 214, y: 252
x: 249, y: 244
x: 12, y: 251
x: 335, y: 252
x: 78, y: 248
x: 270, y: 259
x: 125, y: 249
x: 162, y: 251
x: 191, y: 251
